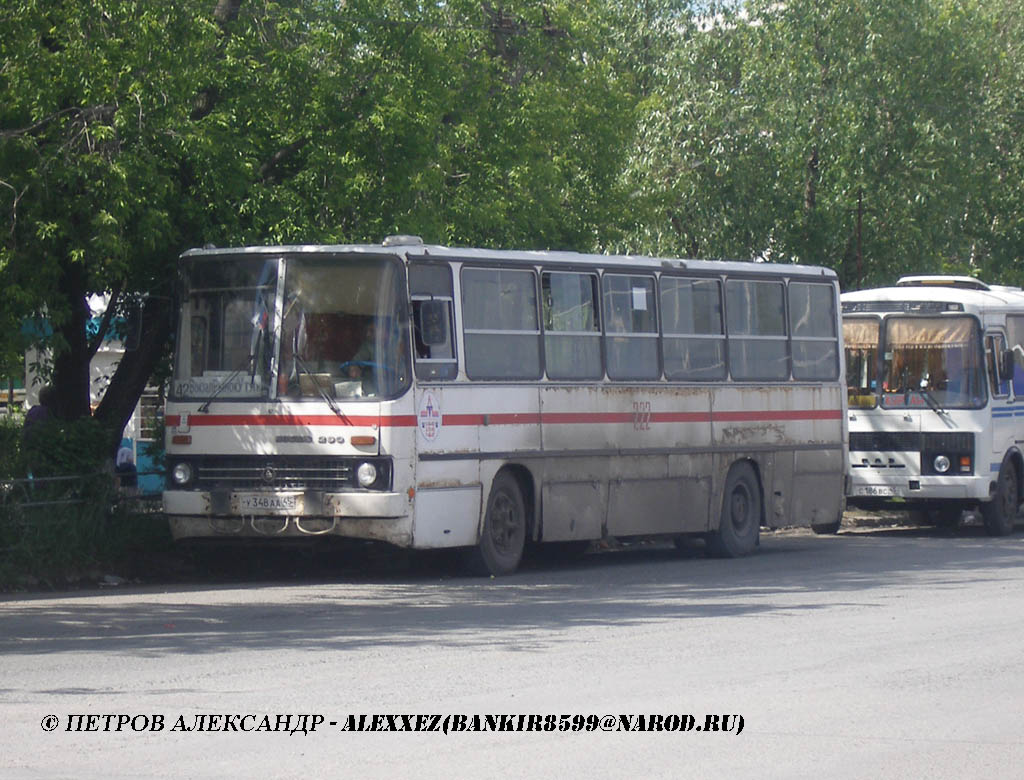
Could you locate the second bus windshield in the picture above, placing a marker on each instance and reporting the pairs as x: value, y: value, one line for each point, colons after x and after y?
x: 927, y: 361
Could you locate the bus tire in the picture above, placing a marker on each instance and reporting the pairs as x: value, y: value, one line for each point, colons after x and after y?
x: 739, y: 527
x: 503, y: 535
x: 1000, y: 513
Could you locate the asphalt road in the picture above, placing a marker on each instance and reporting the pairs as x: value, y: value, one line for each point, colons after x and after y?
x: 874, y: 653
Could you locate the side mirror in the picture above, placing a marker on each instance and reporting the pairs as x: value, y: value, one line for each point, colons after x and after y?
x: 1006, y: 368
x: 434, y: 323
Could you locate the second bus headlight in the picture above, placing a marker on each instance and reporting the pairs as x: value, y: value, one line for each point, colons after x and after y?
x: 941, y: 464
x: 366, y: 474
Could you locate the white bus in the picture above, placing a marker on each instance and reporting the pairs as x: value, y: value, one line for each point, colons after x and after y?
x: 935, y: 368
x: 436, y: 397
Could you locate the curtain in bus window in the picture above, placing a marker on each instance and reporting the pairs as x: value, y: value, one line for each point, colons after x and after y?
x: 502, y: 333
x: 911, y: 333
x: 572, y: 345
x: 937, y: 354
x: 860, y: 343
x: 693, y: 341
x: 860, y: 334
x: 812, y: 318
x: 757, y: 330
x: 631, y: 327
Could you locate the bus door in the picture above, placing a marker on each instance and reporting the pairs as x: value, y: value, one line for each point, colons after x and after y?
x: 1000, y: 374
x: 447, y: 482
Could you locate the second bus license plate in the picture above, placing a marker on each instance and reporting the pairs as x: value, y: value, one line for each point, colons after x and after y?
x: 268, y: 503
x: 876, y: 490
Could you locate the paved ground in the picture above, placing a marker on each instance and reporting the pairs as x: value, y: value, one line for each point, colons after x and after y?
x: 879, y: 652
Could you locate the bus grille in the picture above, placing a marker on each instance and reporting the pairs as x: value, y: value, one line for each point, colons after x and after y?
x: 885, y: 441
x: 892, y: 441
x: 277, y: 473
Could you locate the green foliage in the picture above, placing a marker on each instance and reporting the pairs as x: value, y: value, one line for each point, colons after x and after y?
x: 11, y: 461
x: 861, y: 136
x: 66, y: 524
x: 57, y: 447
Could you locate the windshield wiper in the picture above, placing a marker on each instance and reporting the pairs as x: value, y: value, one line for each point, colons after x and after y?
x: 205, y: 406
x: 928, y: 397
x: 254, y: 344
x: 321, y: 390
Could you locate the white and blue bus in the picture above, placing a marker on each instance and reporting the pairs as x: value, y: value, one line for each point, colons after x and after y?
x: 436, y: 397
x: 935, y: 368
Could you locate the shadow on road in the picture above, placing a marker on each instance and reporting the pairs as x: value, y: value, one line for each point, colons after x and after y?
x: 374, y: 598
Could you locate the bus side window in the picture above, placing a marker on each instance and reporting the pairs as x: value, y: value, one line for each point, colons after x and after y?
x: 500, y: 323
x: 430, y: 288
x: 995, y: 347
x: 756, y: 316
x: 812, y: 322
x: 693, y: 340
x: 1015, y: 333
x: 572, y: 334
x: 432, y: 334
x: 631, y: 327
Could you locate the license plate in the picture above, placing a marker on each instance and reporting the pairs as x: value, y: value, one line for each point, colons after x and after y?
x: 265, y: 503
x: 875, y: 490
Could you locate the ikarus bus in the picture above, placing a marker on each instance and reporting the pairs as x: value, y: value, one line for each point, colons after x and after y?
x: 935, y: 368
x: 436, y: 397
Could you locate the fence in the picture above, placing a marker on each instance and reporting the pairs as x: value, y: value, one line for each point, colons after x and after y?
x: 19, y: 495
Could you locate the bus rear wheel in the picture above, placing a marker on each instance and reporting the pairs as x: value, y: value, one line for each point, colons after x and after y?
x: 504, y: 533
x: 739, y: 527
x: 1000, y: 513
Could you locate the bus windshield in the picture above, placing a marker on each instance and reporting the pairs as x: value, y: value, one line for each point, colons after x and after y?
x: 296, y: 326
x: 932, y: 362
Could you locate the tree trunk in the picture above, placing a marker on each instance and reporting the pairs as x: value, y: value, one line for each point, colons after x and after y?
x: 136, y: 367
x: 71, y: 365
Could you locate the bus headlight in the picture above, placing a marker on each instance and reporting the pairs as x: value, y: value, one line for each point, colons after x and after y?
x: 941, y: 464
x: 366, y: 474
x: 181, y: 474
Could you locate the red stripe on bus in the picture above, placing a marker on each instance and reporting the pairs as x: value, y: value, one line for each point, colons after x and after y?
x: 505, y: 418
x: 571, y: 418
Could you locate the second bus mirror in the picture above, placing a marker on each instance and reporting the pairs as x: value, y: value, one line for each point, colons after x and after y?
x: 1006, y: 370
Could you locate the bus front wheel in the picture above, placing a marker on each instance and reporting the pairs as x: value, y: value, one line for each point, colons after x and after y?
x: 1000, y: 513
x: 739, y: 527
x: 503, y: 535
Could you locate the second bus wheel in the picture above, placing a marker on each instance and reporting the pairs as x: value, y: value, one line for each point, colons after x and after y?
x: 739, y: 528
x: 1000, y: 513
x: 503, y: 535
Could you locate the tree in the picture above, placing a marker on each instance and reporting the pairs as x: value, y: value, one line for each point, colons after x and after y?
x: 998, y: 254
x: 131, y: 132
x: 89, y: 154
x: 846, y: 135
